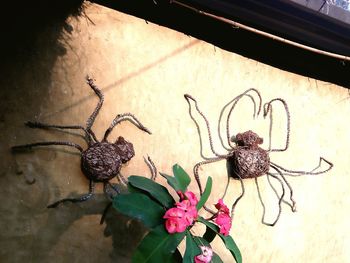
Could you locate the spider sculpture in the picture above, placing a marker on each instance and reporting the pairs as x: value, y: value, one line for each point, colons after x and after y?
x: 102, y: 160
x: 245, y: 159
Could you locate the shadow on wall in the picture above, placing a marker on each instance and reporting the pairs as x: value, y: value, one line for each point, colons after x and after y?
x: 238, y: 41
x: 32, y: 35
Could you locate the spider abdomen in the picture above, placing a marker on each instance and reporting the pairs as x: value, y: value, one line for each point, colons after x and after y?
x: 101, y: 162
x: 249, y: 162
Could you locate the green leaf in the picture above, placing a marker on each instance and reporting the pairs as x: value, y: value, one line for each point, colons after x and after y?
x: 205, y: 194
x: 140, y: 206
x: 209, y: 234
x: 216, y: 259
x: 182, y: 177
x: 172, y: 181
x: 192, y: 249
x: 158, y: 246
x: 157, y: 191
x: 228, y: 240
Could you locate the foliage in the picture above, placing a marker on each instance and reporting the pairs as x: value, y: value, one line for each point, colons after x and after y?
x: 152, y: 204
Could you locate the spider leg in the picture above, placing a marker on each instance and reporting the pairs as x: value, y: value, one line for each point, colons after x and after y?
x: 268, y: 110
x: 122, y: 179
x: 235, y: 101
x: 110, y: 196
x: 196, y: 176
x: 293, y: 204
x: 238, y: 198
x: 125, y: 117
x: 91, y: 119
x: 89, y: 135
x: 152, y: 167
x: 24, y: 146
x: 299, y: 173
x: 188, y: 98
x: 76, y: 200
x: 262, y: 202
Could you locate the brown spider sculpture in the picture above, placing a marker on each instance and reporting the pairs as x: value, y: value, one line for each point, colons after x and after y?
x: 245, y: 159
x: 102, y: 160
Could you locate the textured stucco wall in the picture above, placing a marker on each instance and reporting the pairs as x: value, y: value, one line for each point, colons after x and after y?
x: 145, y: 69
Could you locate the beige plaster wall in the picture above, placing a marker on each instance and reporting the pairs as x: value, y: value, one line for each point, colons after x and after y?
x: 146, y: 69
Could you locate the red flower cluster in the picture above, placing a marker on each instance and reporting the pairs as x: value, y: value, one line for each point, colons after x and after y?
x: 223, y: 219
x: 183, y: 215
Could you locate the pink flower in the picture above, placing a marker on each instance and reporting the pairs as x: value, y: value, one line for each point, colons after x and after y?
x: 222, y: 207
x: 183, y: 215
x: 205, y: 257
x: 224, y: 222
x: 191, y: 197
x: 223, y: 219
x: 175, y: 225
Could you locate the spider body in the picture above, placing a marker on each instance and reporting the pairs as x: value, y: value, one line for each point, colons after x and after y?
x: 248, y: 160
x: 102, y: 160
x: 245, y: 158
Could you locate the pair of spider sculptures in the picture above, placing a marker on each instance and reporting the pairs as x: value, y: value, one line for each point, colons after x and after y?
x: 102, y: 160
x: 245, y: 159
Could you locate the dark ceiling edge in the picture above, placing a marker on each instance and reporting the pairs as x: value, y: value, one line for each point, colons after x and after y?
x: 242, y: 42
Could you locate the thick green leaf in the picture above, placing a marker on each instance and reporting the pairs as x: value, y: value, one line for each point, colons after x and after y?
x: 157, y: 191
x: 140, y: 206
x: 209, y: 234
x: 216, y: 259
x: 158, y: 246
x: 172, y: 181
x: 228, y: 240
x: 205, y: 194
x: 182, y: 177
x: 192, y: 249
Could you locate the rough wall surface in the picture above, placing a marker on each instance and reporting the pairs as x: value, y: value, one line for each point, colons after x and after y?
x: 146, y: 69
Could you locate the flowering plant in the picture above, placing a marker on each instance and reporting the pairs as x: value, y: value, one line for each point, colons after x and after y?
x: 170, y: 221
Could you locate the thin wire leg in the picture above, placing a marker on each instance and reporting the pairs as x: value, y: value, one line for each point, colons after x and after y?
x: 263, y: 205
x: 152, y: 167
x: 125, y: 117
x: 196, y: 176
x: 110, y: 196
x: 76, y: 200
x: 238, y: 198
x: 188, y: 98
x: 122, y: 179
x: 230, y: 112
x: 91, y: 119
x: 293, y: 204
x: 89, y: 136
x: 235, y: 100
x: 299, y: 173
x: 37, y: 144
x: 267, y: 109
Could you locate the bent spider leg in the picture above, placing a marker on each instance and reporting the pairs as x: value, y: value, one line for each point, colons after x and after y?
x: 268, y: 109
x: 110, y: 196
x: 229, y: 141
x: 125, y: 117
x: 293, y: 204
x: 76, y: 200
x: 263, y: 204
x: 37, y: 144
x: 152, y: 167
x: 239, y: 197
x: 188, y: 98
x: 122, y: 179
x: 226, y: 105
x: 196, y: 176
x: 89, y: 136
x: 91, y: 119
x: 299, y: 173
